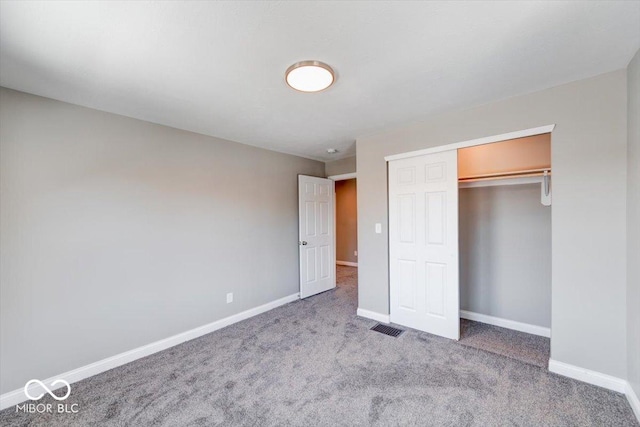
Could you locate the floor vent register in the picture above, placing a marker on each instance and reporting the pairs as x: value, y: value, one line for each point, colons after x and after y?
x: 387, y: 330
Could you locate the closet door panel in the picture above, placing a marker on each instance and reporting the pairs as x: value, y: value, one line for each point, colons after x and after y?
x: 436, y: 285
x: 407, y: 218
x: 423, y: 243
x: 407, y: 283
x: 436, y: 217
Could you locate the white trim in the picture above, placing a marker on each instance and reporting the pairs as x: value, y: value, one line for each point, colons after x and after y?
x: 588, y: 376
x: 472, y: 142
x: 343, y: 176
x: 632, y: 397
x: 384, y: 318
x: 347, y: 263
x: 506, y: 323
x: 17, y: 396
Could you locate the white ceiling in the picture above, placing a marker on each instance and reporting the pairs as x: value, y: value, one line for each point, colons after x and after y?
x: 218, y: 67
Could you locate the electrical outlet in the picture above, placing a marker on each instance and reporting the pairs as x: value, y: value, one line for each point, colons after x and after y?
x: 229, y: 297
x: 355, y: 253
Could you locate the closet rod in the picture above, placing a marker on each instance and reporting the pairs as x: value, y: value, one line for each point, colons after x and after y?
x: 503, y: 175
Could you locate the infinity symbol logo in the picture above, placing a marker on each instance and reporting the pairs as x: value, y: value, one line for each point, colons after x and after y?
x: 47, y: 389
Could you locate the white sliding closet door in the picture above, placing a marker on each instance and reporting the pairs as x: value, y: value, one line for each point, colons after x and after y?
x: 423, y: 243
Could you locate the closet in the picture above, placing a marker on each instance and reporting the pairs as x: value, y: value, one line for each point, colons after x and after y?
x: 469, y: 236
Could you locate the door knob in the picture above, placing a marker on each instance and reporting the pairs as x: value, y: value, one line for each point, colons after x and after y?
x: 303, y: 243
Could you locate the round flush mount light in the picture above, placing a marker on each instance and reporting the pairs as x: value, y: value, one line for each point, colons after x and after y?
x: 332, y: 150
x: 309, y: 76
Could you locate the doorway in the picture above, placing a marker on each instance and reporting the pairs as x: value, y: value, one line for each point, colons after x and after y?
x: 346, y: 219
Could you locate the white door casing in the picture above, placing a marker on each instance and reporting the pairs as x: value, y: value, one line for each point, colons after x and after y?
x: 423, y: 243
x: 316, y: 235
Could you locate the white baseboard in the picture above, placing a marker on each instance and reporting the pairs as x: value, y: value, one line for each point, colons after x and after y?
x: 17, y: 396
x: 384, y: 318
x: 632, y: 397
x: 506, y: 323
x: 588, y: 376
x: 347, y: 263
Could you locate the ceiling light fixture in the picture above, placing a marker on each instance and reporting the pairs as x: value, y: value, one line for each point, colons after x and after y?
x: 309, y: 76
x: 332, y: 150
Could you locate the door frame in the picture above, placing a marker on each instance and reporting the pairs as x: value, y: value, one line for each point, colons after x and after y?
x: 344, y: 176
x: 455, y: 146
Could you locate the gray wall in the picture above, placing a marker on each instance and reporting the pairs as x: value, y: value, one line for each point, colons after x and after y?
x: 589, y: 146
x: 339, y: 167
x: 505, y: 253
x: 346, y: 220
x: 115, y: 233
x: 633, y: 224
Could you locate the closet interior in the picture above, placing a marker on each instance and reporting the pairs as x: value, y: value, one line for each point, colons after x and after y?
x: 505, y: 193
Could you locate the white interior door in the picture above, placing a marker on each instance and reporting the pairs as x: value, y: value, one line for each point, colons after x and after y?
x: 317, y: 235
x: 423, y: 243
